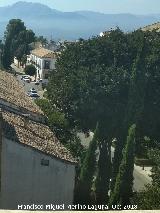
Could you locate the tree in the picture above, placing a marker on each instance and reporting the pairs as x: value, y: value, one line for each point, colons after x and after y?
x: 87, y: 171
x: 134, y: 108
x: 124, y: 182
x: 42, y: 40
x: 24, y: 59
x: 30, y: 70
x: 113, y: 80
x: 17, y: 40
x: 14, y: 27
x: 103, y: 174
x: 148, y: 199
x: 154, y: 155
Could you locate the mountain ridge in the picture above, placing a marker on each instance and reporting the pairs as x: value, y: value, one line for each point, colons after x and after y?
x: 46, y: 21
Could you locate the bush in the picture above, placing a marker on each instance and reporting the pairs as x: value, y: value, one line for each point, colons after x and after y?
x: 30, y: 70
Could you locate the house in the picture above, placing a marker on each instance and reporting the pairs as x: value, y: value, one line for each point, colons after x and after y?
x: 44, y: 60
x: 35, y: 168
x: 106, y: 33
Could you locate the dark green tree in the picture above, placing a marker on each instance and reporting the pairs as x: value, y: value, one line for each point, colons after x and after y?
x: 17, y: 40
x: 134, y: 109
x: 103, y: 173
x: 30, y: 70
x: 148, y: 199
x: 124, y: 182
x: 84, y: 188
x: 154, y: 155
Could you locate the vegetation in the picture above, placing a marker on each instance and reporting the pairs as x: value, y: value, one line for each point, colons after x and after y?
x: 16, y: 42
x: 112, y: 80
x: 149, y: 198
x: 87, y: 172
x: 30, y: 70
x: 124, y: 182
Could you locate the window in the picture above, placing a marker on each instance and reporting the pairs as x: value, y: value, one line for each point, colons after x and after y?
x: 44, y: 162
x: 46, y: 64
x: 46, y: 76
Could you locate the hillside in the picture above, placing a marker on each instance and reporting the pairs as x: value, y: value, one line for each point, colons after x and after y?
x: 69, y: 25
x: 155, y: 26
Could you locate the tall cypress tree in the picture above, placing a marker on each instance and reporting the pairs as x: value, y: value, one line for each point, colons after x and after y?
x: 103, y: 173
x: 134, y: 109
x: 124, y: 181
x: 83, y: 192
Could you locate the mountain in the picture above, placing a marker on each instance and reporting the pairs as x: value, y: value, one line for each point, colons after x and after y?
x: 70, y: 25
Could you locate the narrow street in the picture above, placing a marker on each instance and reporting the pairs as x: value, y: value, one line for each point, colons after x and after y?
x: 27, y: 86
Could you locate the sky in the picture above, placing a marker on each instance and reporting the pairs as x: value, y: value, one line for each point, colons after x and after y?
x: 105, y: 6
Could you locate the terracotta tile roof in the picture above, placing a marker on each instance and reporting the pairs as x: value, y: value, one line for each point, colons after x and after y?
x: 44, y: 53
x: 13, y: 92
x: 35, y: 135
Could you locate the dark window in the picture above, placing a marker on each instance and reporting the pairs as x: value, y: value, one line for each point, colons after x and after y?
x: 46, y: 64
x: 46, y: 76
x: 44, y: 162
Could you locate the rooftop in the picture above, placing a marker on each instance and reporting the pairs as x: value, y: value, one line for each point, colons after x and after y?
x: 44, y: 53
x: 27, y: 131
x: 12, y: 92
x: 35, y: 135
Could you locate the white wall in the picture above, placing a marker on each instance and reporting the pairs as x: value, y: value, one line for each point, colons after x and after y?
x: 25, y: 181
x: 41, y: 62
x: 15, y: 61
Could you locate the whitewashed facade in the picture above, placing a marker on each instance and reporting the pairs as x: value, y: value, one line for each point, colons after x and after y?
x: 44, y: 60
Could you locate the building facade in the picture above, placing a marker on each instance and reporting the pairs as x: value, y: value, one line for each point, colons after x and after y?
x: 44, y: 60
x: 35, y: 168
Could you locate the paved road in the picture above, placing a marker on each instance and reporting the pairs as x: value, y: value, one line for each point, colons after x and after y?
x: 141, y: 177
x: 28, y: 86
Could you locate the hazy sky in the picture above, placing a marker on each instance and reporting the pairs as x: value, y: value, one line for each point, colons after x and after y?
x: 106, y: 6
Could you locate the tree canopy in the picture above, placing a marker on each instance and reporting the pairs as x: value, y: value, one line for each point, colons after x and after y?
x: 30, y: 70
x: 17, y: 40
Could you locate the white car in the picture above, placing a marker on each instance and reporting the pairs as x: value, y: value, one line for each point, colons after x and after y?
x: 33, y: 95
x: 32, y: 90
x: 27, y: 79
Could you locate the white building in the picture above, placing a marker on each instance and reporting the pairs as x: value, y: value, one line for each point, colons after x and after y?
x: 35, y: 168
x: 44, y: 60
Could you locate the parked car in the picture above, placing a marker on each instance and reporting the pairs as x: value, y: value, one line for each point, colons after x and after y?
x: 24, y: 76
x: 32, y: 90
x: 26, y: 79
x: 37, y: 83
x: 33, y: 95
